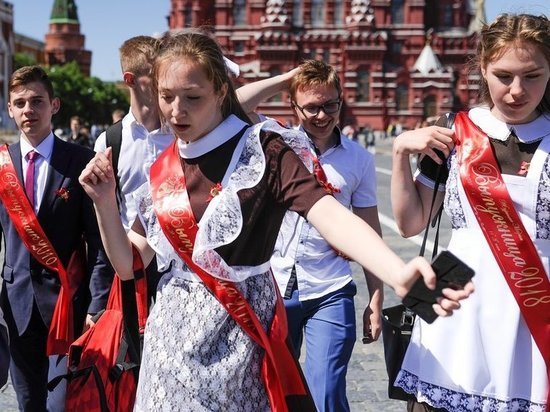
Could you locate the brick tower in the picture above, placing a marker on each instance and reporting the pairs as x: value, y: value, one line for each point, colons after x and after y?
x: 64, y: 42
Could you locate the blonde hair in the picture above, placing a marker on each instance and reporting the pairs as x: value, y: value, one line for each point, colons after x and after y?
x: 138, y: 54
x: 509, y: 30
x: 314, y: 73
x: 202, y: 49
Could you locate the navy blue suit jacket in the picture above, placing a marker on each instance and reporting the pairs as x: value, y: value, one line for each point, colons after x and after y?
x: 65, y: 222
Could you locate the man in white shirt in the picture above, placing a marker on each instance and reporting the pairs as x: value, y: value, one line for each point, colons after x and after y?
x: 315, y: 280
x: 143, y: 138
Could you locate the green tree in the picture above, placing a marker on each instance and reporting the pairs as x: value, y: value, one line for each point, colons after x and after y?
x: 88, y: 97
x: 23, y: 59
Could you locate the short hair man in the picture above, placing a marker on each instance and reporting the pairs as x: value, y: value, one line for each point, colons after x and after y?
x: 143, y: 138
x: 77, y: 133
x: 315, y: 279
x: 48, y: 168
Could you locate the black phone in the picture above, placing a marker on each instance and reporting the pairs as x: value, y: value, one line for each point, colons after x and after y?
x: 451, y: 272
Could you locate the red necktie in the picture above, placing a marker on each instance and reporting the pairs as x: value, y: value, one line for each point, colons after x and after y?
x: 29, y: 178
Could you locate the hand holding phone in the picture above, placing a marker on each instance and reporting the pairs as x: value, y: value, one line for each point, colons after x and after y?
x: 451, y: 273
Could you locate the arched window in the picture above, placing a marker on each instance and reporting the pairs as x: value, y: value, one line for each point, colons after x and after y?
x: 188, y: 16
x: 430, y: 106
x: 402, y: 97
x: 297, y: 13
x: 397, y: 12
x: 338, y: 12
x: 317, y: 13
x: 363, y: 85
x: 447, y: 15
x: 239, y: 12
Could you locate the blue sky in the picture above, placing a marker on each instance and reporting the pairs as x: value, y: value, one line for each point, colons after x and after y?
x: 107, y: 23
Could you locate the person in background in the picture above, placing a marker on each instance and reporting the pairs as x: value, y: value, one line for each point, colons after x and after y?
x: 216, y: 336
x: 493, y: 354
x: 46, y: 218
x: 77, y: 135
x: 314, y: 278
x: 142, y: 137
x: 117, y: 115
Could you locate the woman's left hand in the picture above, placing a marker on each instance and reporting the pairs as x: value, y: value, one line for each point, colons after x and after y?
x: 449, y: 302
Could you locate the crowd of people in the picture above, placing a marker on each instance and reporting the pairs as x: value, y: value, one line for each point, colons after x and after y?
x: 247, y: 228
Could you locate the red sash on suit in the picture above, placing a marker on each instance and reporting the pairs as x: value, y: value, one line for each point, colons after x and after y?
x: 16, y: 203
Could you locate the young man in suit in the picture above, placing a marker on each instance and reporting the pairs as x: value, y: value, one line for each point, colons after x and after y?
x: 54, y: 217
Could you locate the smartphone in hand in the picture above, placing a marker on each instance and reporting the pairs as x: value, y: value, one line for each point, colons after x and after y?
x: 451, y: 273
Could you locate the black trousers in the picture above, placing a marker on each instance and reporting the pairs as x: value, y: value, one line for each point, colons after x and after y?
x: 31, y: 369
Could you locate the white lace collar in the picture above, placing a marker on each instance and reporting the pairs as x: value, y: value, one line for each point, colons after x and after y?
x: 499, y: 130
x: 221, y: 134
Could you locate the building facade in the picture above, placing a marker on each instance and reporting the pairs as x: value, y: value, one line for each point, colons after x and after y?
x: 6, y: 58
x: 400, y: 61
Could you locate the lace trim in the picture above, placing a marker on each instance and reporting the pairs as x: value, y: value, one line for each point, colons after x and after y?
x: 440, y: 397
x: 222, y: 221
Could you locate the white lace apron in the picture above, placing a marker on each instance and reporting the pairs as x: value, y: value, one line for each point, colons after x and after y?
x: 483, y: 357
x: 195, y: 357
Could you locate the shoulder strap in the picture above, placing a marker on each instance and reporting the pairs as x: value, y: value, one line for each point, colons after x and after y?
x: 113, y: 138
x: 437, y: 217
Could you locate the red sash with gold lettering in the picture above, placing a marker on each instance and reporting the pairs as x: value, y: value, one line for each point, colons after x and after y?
x: 512, y: 247
x: 16, y: 203
x: 281, y: 374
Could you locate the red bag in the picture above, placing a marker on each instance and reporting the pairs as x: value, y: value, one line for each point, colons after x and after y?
x: 104, y: 362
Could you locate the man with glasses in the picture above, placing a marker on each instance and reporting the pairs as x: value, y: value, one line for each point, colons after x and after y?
x: 314, y: 279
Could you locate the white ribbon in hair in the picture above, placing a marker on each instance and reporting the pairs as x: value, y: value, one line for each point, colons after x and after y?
x: 232, y: 66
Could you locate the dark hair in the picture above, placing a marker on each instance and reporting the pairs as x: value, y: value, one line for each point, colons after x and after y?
x: 314, y: 73
x: 509, y: 30
x: 202, y: 49
x: 30, y: 74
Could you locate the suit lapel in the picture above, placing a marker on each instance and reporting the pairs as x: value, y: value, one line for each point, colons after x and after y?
x: 15, y: 154
x: 57, y: 168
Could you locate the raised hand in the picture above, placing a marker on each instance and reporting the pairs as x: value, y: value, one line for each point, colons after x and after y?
x: 97, y: 178
x: 425, y: 140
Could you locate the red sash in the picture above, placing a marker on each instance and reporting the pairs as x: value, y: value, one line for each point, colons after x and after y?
x: 16, y: 203
x: 513, y: 249
x: 280, y: 372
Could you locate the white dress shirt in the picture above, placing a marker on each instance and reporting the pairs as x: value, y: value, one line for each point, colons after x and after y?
x: 138, y: 150
x: 41, y: 163
x: 319, y: 270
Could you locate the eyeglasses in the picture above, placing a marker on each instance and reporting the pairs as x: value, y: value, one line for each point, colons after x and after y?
x: 312, y: 111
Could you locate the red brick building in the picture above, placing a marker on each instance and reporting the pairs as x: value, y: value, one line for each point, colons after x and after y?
x: 64, y: 42
x: 399, y: 60
x: 6, y: 57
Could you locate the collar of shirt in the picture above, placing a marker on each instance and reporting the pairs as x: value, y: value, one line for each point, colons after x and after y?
x: 137, y: 129
x: 44, y: 148
x: 221, y: 134
x: 499, y: 130
x: 336, y: 131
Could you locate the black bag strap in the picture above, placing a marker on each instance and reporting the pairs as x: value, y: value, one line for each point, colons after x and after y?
x: 437, y: 217
x: 113, y: 138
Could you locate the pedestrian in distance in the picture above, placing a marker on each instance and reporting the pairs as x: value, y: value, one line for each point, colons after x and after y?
x: 493, y: 354
x: 216, y: 337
